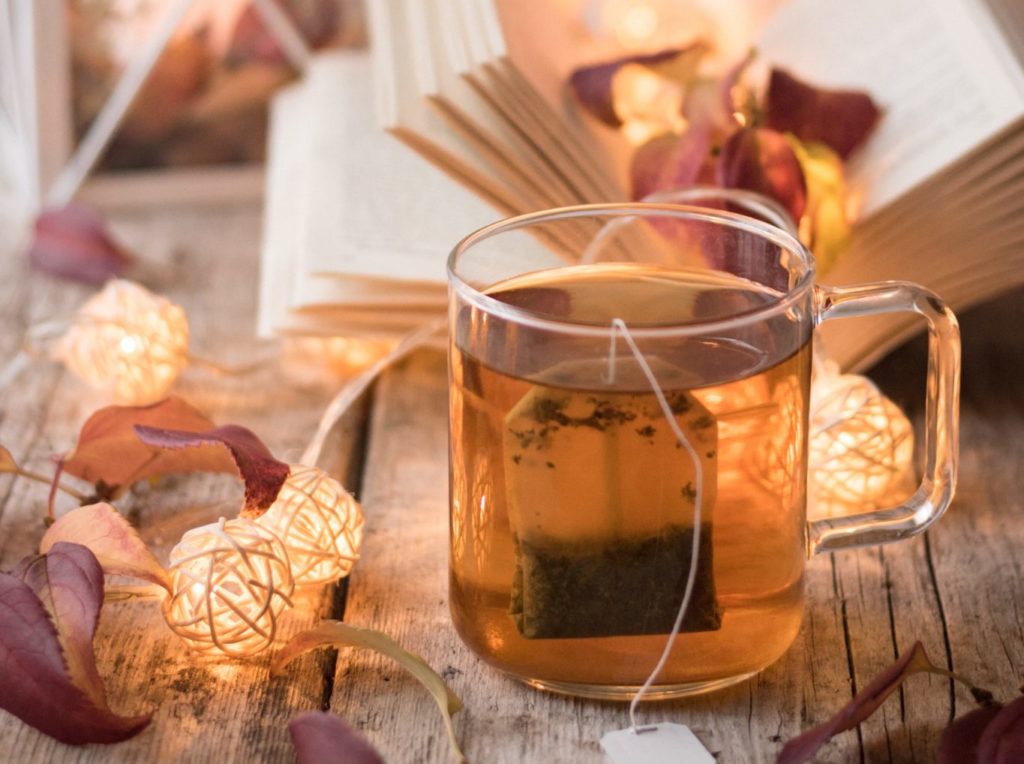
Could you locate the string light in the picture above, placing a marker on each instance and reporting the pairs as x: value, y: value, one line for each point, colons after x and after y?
x: 860, y: 447
x: 320, y: 524
x: 230, y: 581
x: 127, y: 342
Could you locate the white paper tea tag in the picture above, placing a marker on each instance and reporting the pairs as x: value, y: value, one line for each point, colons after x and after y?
x: 662, y: 743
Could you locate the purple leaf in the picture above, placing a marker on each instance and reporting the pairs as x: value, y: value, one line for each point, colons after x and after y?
x: 672, y: 161
x: 959, y: 742
x: 262, y: 474
x: 593, y: 84
x: 841, y: 119
x: 1002, y: 741
x: 803, y: 747
x: 49, y: 609
x: 761, y: 160
x: 73, y: 243
x: 323, y: 738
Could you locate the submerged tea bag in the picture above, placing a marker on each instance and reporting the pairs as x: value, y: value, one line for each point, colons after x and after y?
x: 600, y: 501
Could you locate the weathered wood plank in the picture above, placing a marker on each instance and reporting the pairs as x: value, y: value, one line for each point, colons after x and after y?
x: 204, y: 711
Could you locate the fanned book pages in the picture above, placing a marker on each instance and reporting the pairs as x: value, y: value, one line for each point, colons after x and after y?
x: 358, y: 227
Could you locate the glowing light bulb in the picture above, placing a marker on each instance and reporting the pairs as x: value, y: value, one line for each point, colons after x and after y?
x: 647, y: 103
x: 127, y: 342
x: 320, y: 524
x: 230, y: 581
x: 860, y: 446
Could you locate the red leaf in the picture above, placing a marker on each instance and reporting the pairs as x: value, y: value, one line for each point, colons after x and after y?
x: 73, y: 243
x: 959, y: 742
x: 841, y: 119
x: 761, y: 160
x: 115, y: 543
x: 672, y: 161
x: 49, y: 608
x: 109, y: 450
x: 593, y: 84
x: 1002, y: 742
x: 323, y: 738
x: 262, y: 473
x: 803, y: 747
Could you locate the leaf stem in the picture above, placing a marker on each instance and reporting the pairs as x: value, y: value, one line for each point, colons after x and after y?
x: 77, y: 495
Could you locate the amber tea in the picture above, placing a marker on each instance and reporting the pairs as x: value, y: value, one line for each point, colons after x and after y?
x: 572, y: 521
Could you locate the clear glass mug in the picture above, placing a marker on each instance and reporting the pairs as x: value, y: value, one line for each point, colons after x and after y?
x: 574, y: 506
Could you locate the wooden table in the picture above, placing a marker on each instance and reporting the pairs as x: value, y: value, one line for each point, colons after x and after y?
x: 958, y: 588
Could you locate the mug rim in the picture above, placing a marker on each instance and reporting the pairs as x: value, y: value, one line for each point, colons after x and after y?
x: 535, y: 320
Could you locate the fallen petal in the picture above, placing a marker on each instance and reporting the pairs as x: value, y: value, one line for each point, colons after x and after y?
x: 1003, y: 739
x: 323, y: 738
x: 73, y: 243
x: 959, y: 742
x: 49, y: 672
x: 841, y: 119
x: 110, y: 537
x: 262, y: 474
x: 761, y: 160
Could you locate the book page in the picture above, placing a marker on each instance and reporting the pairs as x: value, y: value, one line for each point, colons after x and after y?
x: 374, y: 207
x: 940, y: 74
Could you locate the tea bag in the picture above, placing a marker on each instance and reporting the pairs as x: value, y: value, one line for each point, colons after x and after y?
x: 600, y: 500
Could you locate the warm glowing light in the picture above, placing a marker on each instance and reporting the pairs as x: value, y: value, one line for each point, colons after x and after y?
x: 127, y: 342
x: 230, y: 582
x: 320, y: 524
x: 325, y: 359
x: 861, y: 446
x: 647, y: 103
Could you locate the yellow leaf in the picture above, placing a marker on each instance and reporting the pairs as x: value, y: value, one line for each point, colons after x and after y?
x: 824, y: 226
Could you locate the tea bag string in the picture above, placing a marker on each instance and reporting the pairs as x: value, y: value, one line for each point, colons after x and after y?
x: 619, y: 327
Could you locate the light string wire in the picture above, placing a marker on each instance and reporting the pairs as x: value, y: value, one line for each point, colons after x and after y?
x: 619, y: 327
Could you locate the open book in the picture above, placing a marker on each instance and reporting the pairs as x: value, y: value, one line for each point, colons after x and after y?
x: 358, y: 226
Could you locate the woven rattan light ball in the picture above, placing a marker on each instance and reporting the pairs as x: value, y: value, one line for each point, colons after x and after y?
x: 127, y: 342
x: 230, y: 581
x: 320, y: 523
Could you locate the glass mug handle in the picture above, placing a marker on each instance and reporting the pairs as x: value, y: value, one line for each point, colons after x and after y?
x: 941, y: 415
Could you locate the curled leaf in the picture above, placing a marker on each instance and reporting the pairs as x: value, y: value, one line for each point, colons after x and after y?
x: 262, y: 474
x: 72, y: 242
x: 672, y: 161
x: 1002, y: 741
x: 592, y: 85
x: 49, y: 609
x: 323, y: 738
x: 959, y: 742
x: 803, y: 747
x: 108, y: 449
x: 338, y: 634
x: 841, y: 119
x: 761, y: 160
x: 115, y: 543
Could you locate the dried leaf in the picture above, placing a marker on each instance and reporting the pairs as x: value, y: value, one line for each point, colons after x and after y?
x: 672, y: 161
x: 337, y: 634
x: 323, y: 738
x: 959, y: 742
x: 841, y: 119
x: 108, y: 449
x: 824, y: 227
x: 803, y: 747
x: 1003, y: 739
x: 262, y: 474
x: 109, y: 536
x: 761, y: 160
x: 49, y: 609
x: 73, y: 242
x: 593, y: 84
x: 7, y: 463
x: 711, y: 103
